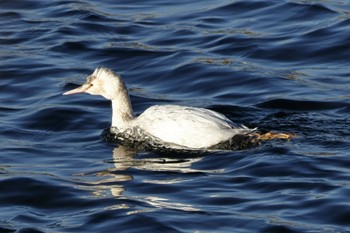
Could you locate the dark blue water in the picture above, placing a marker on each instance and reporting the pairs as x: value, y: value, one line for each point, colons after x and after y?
x: 276, y: 65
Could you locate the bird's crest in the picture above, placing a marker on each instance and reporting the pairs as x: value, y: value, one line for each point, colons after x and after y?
x: 103, y: 72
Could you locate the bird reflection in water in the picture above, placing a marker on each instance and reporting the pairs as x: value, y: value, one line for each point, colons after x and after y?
x: 125, y: 159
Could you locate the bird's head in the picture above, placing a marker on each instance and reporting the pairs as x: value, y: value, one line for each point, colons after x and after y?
x: 102, y: 81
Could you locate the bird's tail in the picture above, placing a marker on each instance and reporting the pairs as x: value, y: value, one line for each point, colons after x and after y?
x: 272, y: 135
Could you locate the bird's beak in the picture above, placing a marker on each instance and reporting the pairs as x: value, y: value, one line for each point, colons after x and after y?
x: 78, y: 90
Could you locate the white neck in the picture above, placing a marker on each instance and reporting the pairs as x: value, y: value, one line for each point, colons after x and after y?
x: 122, y: 113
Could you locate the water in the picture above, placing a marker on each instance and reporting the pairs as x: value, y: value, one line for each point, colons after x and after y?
x: 275, y: 65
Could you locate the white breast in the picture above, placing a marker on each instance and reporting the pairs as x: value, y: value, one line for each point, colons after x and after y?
x: 187, y: 126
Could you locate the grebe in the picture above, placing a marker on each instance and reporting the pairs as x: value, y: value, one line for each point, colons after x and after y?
x: 172, y: 125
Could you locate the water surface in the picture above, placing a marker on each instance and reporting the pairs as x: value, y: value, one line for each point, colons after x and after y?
x: 275, y: 65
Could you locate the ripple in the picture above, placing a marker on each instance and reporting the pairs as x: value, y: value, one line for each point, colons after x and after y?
x: 294, y: 105
x: 278, y: 66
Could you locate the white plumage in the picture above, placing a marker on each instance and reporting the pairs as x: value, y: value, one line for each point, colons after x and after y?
x: 189, y: 127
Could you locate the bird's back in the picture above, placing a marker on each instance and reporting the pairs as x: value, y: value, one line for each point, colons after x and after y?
x: 187, y: 126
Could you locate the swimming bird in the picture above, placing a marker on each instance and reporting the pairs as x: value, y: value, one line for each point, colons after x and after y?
x: 174, y: 126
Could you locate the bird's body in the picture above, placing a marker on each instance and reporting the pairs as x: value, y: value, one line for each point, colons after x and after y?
x: 190, y: 127
x: 172, y: 125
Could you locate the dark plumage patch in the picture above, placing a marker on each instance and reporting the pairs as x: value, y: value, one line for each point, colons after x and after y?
x: 237, y: 142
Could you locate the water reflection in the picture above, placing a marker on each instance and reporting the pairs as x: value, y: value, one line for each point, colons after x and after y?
x: 125, y: 159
